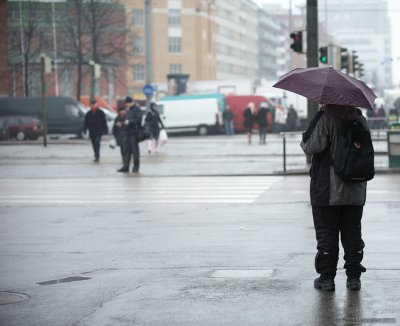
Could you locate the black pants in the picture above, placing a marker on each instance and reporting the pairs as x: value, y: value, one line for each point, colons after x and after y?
x: 131, y: 148
x: 96, y: 139
x: 329, y: 221
x: 263, y: 133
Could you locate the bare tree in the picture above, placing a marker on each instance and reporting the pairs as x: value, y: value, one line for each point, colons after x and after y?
x: 72, y: 47
x: 96, y: 32
x: 24, y: 40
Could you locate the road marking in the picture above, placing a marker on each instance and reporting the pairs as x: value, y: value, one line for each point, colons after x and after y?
x: 168, y: 190
x: 242, y: 273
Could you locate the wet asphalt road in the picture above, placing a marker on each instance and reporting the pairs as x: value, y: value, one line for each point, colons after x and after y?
x: 89, y: 246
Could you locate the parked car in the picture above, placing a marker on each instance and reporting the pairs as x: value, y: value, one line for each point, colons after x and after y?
x: 22, y: 127
x: 64, y: 115
x: 4, y: 135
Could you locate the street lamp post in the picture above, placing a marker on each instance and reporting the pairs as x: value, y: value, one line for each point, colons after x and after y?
x: 148, y: 48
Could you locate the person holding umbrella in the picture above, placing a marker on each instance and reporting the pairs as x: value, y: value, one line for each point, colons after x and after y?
x: 337, y: 204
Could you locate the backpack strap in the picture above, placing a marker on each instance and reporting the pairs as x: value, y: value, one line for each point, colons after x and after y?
x: 312, y: 125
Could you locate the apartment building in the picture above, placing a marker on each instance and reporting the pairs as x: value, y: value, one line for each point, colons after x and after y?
x: 182, y: 40
x: 236, y: 39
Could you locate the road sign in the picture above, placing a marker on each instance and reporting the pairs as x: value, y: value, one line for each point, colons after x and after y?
x: 148, y: 90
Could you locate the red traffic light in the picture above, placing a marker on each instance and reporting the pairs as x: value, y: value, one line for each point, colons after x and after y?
x: 297, y: 45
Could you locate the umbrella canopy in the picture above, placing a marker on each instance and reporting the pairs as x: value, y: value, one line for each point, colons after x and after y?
x: 327, y: 86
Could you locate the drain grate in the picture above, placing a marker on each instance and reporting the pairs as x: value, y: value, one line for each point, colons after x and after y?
x: 7, y: 297
x: 65, y: 280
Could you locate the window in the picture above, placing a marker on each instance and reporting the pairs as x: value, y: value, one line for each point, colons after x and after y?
x: 174, y: 17
x: 25, y: 120
x: 71, y: 111
x: 138, y: 45
x: 138, y: 72
x: 174, y: 44
x: 15, y: 14
x: 67, y: 84
x: 137, y: 17
x: 175, y: 69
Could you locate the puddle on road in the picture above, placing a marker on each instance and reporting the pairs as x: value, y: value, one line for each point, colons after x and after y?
x: 7, y: 297
x: 65, y: 280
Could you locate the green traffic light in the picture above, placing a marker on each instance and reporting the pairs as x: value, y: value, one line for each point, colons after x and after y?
x: 324, y: 59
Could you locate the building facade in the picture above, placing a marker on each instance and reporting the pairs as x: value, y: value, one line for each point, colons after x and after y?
x: 270, y: 43
x: 51, y: 28
x: 366, y: 29
x: 182, y: 41
x: 236, y: 39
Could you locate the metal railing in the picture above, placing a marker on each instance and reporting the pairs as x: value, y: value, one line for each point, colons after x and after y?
x: 376, y: 134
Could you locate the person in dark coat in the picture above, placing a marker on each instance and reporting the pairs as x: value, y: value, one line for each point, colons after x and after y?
x: 133, y: 123
x: 291, y: 120
x: 228, y: 120
x: 95, y: 121
x: 119, y: 131
x: 153, y: 123
x: 262, y: 123
x: 337, y: 206
x: 250, y: 117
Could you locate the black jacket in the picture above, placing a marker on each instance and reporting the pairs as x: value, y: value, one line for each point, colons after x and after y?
x: 320, y: 140
x: 134, y: 116
x: 119, y: 132
x: 262, y: 117
x: 96, y: 123
x: 249, y: 118
x: 153, y: 121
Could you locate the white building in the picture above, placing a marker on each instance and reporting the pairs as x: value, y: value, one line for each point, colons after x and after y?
x: 363, y: 27
x: 236, y: 39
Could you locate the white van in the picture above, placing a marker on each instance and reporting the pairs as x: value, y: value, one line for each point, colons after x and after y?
x: 199, y: 115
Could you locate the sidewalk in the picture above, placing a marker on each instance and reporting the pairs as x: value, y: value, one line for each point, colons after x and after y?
x: 188, y: 155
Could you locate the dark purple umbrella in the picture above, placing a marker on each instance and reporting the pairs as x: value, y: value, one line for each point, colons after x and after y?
x: 327, y: 86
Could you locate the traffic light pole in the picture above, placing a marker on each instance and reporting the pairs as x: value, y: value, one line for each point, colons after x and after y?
x: 148, y: 48
x: 312, y: 51
x: 312, y: 46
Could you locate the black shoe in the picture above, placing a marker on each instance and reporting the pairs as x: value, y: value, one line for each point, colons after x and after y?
x: 96, y: 159
x: 353, y: 283
x: 135, y: 170
x: 327, y: 284
x: 123, y: 170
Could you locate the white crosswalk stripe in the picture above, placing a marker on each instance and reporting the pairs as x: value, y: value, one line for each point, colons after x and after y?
x: 166, y: 190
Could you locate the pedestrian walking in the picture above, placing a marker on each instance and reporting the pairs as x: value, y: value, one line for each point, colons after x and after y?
x: 228, y: 120
x: 154, y: 124
x: 262, y: 121
x: 133, y: 123
x: 382, y: 117
x: 291, y: 119
x: 250, y: 117
x: 95, y: 121
x: 119, y: 130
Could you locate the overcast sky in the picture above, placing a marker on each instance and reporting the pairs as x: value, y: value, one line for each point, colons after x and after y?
x: 394, y: 15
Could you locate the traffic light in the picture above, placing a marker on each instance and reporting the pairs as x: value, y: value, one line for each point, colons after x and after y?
x: 297, y: 45
x: 356, y: 63
x: 361, y: 70
x: 344, y: 59
x: 323, y: 54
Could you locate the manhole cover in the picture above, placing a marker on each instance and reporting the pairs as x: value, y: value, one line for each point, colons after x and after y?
x: 12, y: 297
x: 242, y: 273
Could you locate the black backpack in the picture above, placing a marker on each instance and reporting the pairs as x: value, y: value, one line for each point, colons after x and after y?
x: 353, y: 159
